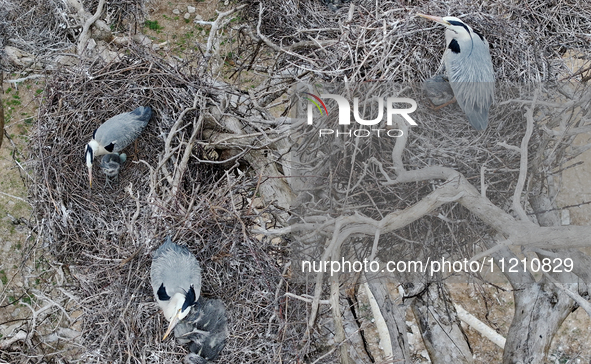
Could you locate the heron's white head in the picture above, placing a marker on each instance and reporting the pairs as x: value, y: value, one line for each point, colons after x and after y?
x: 91, y: 149
x: 457, y: 29
x: 454, y: 28
x: 177, y: 308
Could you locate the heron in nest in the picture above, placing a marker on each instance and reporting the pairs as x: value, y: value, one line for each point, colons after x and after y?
x: 468, y: 68
x: 200, y: 322
x: 115, y: 134
x: 176, y: 281
x: 205, y: 329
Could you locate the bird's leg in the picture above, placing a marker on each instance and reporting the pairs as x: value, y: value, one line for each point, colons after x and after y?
x: 435, y: 108
x: 135, y: 149
x: 108, y: 182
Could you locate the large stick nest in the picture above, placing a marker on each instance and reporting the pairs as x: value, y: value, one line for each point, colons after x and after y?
x: 104, y: 235
x: 49, y: 29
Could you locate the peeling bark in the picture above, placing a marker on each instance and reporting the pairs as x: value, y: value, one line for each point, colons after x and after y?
x: 395, y: 321
x: 440, y: 327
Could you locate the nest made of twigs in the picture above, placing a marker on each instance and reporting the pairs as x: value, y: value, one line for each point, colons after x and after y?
x: 104, y: 235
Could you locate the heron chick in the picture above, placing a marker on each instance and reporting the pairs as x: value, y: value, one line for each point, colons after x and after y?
x: 176, y: 280
x: 115, y: 134
x: 438, y: 91
x: 468, y: 66
x: 205, y: 329
x: 111, y: 163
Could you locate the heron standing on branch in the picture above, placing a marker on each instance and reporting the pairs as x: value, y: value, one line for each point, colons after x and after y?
x: 115, y: 134
x: 176, y: 281
x: 469, y: 69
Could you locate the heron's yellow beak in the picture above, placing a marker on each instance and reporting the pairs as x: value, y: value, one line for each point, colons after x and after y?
x: 172, y: 324
x: 437, y: 19
x: 90, y: 175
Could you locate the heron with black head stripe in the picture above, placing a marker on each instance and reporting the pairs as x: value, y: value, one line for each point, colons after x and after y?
x: 115, y: 134
x: 176, y: 280
x: 468, y: 66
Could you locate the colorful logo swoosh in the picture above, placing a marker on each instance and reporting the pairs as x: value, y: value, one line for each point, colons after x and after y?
x: 317, y: 103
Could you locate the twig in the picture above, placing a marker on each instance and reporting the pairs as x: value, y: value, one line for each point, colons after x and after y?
x: 21, y: 335
x: 131, y: 225
x: 524, y: 161
x: 23, y: 79
x: 305, y: 298
x: 15, y: 197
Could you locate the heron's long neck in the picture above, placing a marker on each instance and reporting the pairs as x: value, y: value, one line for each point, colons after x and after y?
x: 95, y: 146
x: 91, y: 151
x: 170, y: 308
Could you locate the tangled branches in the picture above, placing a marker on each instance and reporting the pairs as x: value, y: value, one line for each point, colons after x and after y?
x: 104, y: 235
x: 440, y: 190
x: 369, y: 40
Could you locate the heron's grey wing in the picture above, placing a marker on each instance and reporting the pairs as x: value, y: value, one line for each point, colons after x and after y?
x: 478, y: 116
x: 472, y: 79
x: 123, y: 129
x: 159, y: 258
x: 475, y: 99
x: 143, y: 113
x: 169, y: 246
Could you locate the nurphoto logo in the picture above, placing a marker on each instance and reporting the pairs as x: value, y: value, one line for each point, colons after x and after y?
x: 344, y: 114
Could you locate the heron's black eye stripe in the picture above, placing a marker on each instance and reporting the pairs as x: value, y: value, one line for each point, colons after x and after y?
x: 454, y: 46
x: 459, y: 24
x: 162, y: 295
x: 189, y: 298
x: 89, y: 151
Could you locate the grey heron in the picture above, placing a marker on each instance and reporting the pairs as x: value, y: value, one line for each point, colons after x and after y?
x: 176, y: 280
x: 115, y: 134
x: 469, y: 69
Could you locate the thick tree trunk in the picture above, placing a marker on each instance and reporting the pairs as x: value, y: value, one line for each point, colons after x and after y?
x: 440, y: 327
x: 394, y: 318
x: 539, y: 312
x: 540, y: 307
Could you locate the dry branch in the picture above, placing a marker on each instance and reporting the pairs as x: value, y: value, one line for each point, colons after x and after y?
x: 217, y: 24
x: 480, y: 326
